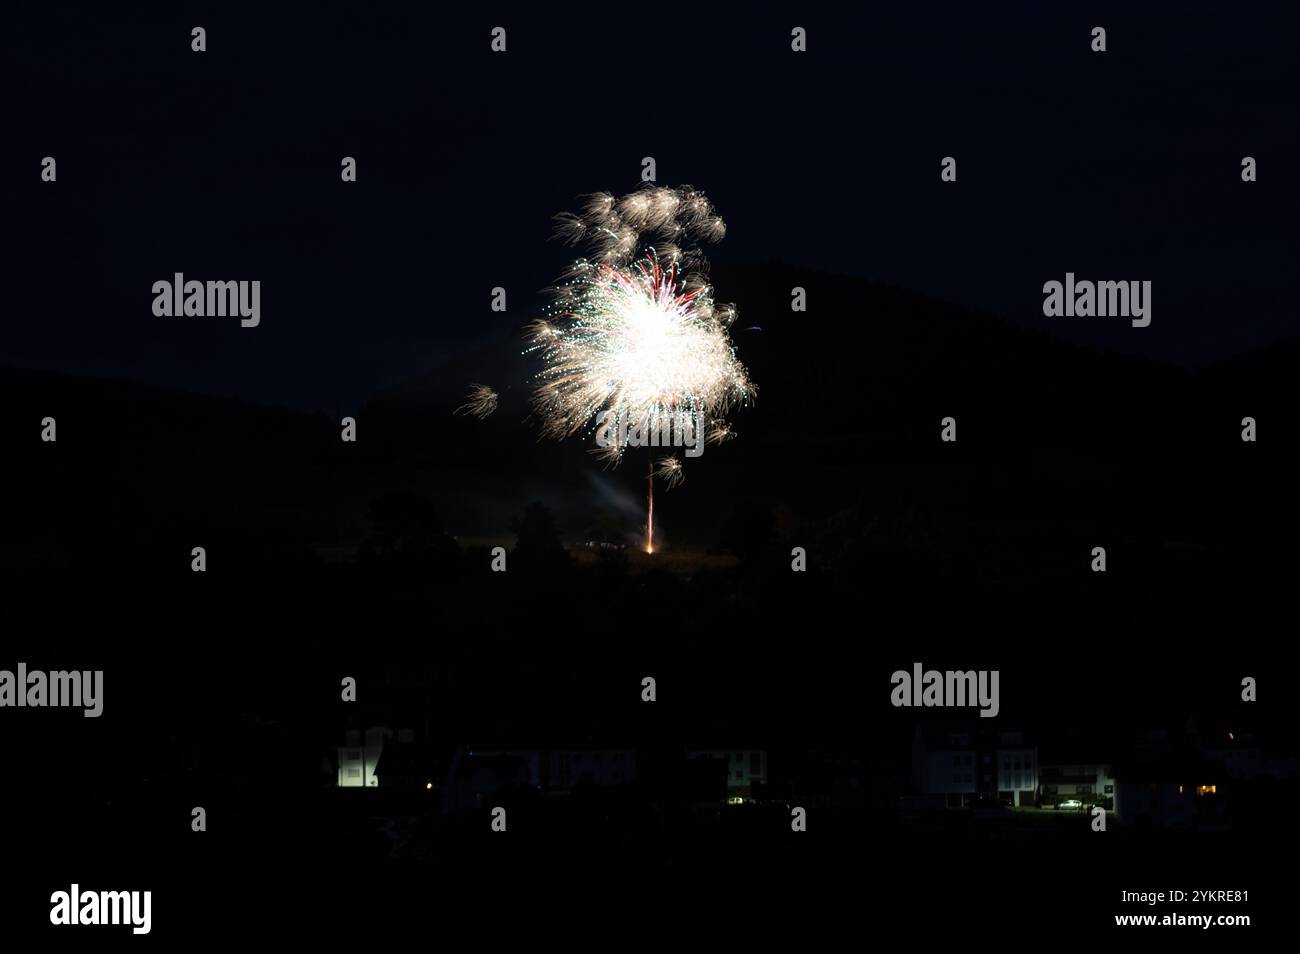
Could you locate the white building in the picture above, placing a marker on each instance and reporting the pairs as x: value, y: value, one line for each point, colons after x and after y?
x: 965, y: 762
x: 1017, y: 768
x: 358, y: 758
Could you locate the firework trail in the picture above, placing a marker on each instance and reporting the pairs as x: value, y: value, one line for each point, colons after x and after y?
x: 633, y: 334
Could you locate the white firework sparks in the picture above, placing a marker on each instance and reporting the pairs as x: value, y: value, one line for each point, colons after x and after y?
x: 480, y: 402
x: 640, y: 340
x: 670, y: 471
x: 719, y: 434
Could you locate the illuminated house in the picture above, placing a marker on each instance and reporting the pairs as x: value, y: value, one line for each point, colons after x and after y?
x: 965, y: 762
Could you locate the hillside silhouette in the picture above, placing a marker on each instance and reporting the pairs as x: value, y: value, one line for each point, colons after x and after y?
x: 1060, y: 448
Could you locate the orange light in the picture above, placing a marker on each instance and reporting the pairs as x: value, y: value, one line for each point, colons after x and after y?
x: 1232, y: 737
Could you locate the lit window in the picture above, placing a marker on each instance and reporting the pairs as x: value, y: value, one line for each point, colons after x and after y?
x: 1207, y: 790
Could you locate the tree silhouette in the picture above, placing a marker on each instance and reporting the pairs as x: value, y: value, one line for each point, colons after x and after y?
x: 406, y: 531
x: 537, y: 546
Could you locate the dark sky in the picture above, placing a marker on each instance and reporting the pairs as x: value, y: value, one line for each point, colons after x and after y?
x: 225, y: 165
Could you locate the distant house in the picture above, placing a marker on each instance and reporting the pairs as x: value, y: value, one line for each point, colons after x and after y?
x: 1174, y: 779
x: 479, y: 778
x: 1177, y: 790
x: 1285, y: 767
x: 608, y: 766
x: 744, y: 767
x: 703, y: 783
x: 834, y: 778
x: 563, y: 767
x: 1155, y: 803
x: 964, y: 762
x: 1238, y: 752
x: 1089, y: 782
x: 406, y: 764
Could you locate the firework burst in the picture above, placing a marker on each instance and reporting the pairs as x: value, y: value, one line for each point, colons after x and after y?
x: 670, y: 471
x: 480, y: 402
x: 633, y: 338
x: 720, y: 434
x: 641, y: 340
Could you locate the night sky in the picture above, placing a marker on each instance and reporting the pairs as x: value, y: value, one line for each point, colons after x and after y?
x: 225, y: 165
